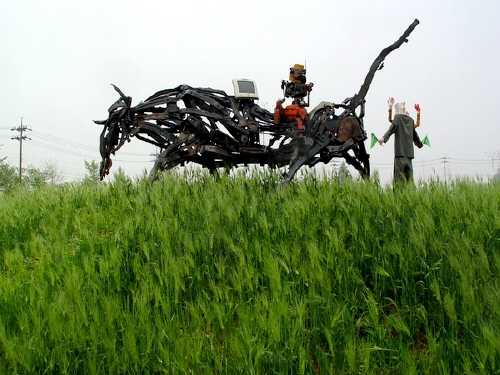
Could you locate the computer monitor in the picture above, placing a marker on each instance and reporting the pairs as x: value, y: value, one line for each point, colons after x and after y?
x: 245, y: 89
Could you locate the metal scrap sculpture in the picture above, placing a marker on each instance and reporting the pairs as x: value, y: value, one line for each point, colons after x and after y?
x: 213, y: 129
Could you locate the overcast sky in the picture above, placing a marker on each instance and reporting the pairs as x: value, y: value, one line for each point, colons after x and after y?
x: 59, y: 59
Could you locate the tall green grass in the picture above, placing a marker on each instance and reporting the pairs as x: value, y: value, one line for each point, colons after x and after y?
x: 201, y: 274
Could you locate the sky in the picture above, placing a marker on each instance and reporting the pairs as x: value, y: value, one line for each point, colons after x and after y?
x: 58, y: 61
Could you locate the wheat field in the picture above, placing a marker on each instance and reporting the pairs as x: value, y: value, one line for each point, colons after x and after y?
x: 202, y: 274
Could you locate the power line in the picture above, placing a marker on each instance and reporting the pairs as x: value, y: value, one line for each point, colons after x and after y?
x: 64, y: 142
x: 62, y: 150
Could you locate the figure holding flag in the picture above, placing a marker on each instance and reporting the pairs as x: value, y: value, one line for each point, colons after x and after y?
x: 403, y: 128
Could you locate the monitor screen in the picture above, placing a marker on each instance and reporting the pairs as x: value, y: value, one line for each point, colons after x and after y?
x: 246, y: 86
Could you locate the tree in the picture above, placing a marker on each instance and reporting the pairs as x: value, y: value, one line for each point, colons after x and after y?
x: 343, y: 173
x: 92, y: 175
x: 53, y: 173
x: 120, y: 176
x: 8, y: 175
x: 48, y: 174
x: 495, y: 163
x: 496, y: 176
x: 33, y: 177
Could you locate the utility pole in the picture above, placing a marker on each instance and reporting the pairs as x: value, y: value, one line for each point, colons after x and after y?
x: 445, y: 161
x: 21, y: 129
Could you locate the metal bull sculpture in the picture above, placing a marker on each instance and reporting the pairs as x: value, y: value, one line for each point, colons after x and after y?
x: 213, y: 129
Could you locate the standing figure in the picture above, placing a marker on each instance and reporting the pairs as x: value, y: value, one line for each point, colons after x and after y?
x: 403, y: 127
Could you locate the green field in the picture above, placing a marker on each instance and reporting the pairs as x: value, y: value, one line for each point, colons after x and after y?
x: 196, y: 274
